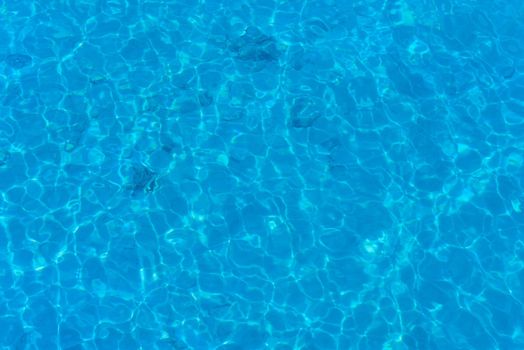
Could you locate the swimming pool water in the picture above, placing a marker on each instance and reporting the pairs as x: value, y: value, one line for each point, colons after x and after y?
x: 231, y: 175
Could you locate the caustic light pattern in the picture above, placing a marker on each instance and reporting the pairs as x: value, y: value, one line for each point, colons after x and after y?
x: 255, y: 175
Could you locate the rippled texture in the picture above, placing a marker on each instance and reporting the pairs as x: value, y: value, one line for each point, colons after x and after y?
x: 261, y: 175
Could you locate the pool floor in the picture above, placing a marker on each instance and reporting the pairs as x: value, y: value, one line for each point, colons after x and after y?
x: 261, y: 175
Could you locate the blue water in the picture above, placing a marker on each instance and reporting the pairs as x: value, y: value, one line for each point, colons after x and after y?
x: 233, y: 175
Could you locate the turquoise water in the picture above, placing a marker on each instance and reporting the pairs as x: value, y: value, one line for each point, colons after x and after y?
x: 261, y: 175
